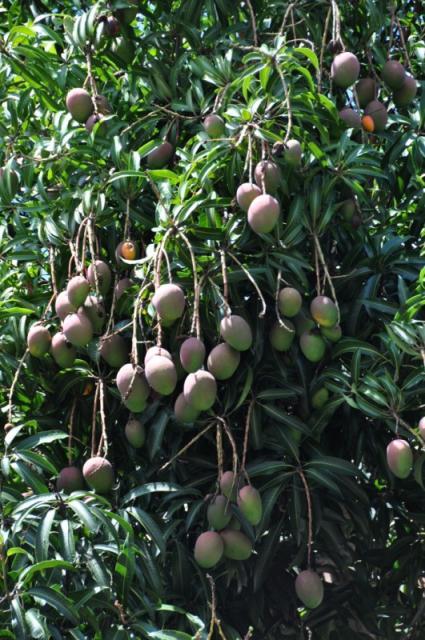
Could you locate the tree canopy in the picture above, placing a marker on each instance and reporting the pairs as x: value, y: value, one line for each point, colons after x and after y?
x: 179, y: 495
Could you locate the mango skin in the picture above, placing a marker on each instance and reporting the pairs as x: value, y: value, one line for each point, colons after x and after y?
x: 320, y: 398
x: 400, y: 458
x: 263, y: 214
x: 269, y: 173
x: 62, y: 351
x: 63, y: 306
x: 421, y: 426
x: 160, y: 156
x: 312, y: 346
x: 379, y: 114
x: 38, y: 340
x: 246, y: 194
x: 219, y: 512
x: 79, y: 104
x: 114, y: 351
x: 332, y: 333
x: 183, y: 411
x: 289, y: 302
x: 192, y: 354
x: 78, y: 289
x: 351, y: 118
x: 104, y: 276
x: 209, y: 549
x: 227, y: 481
x: 366, y: 91
x: 309, y: 588
x: 98, y: 474
x: 223, y: 361
x: 135, y: 432
x: 169, y: 302
x: 236, y: 544
x: 161, y: 375
x: 78, y: 329
x: 407, y: 92
x: 214, y: 126
x: 70, y: 479
x: 324, y: 311
x: 200, y: 390
x: 282, y: 336
x: 250, y: 504
x: 293, y: 153
x: 236, y: 331
x: 136, y: 401
x: 345, y: 69
x: 393, y: 74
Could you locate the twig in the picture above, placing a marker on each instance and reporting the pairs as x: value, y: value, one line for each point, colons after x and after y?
x: 251, y: 279
x: 70, y: 430
x: 322, y: 49
x: 253, y: 22
x: 186, y: 447
x: 93, y: 420
x: 285, y: 18
x: 309, y: 515
x: 227, y: 309
x: 196, y: 320
x: 327, y: 274
x: 246, y: 437
x: 103, y: 443
x: 14, y: 383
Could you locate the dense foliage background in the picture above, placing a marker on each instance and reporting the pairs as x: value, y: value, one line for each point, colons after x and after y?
x: 121, y: 565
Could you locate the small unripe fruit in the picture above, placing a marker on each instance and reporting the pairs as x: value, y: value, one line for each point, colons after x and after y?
x: 113, y: 350
x: 379, y: 114
x: 104, y: 276
x: 63, y: 352
x: 161, y: 375
x: 368, y: 124
x: 79, y: 104
x: 219, y: 512
x: 183, y: 411
x: 351, y: 118
x: 236, y: 331
x: 269, y: 173
x: 293, y: 153
x: 209, y: 549
x: 78, y: 289
x: 38, y: 340
x: 366, y: 91
x: 400, y: 458
x: 223, y: 361
x: 246, y: 194
x: 214, y: 126
x: 192, y: 354
x: 407, y: 92
x: 98, y: 474
x: 129, y: 377
x: 282, y: 336
x: 200, y: 390
x: 236, y: 545
x: 345, y: 69
x: 228, y: 485
x: 156, y: 351
x: 320, y: 398
x: 70, y: 479
x: 78, y: 329
x: 332, y: 333
x: 135, y: 433
x: 169, y: 302
x: 63, y: 305
x: 249, y: 502
x: 234, y: 524
x: 309, y: 588
x: 393, y: 74
x: 312, y: 346
x: 324, y: 311
x: 289, y: 302
x: 160, y: 156
x: 263, y: 214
